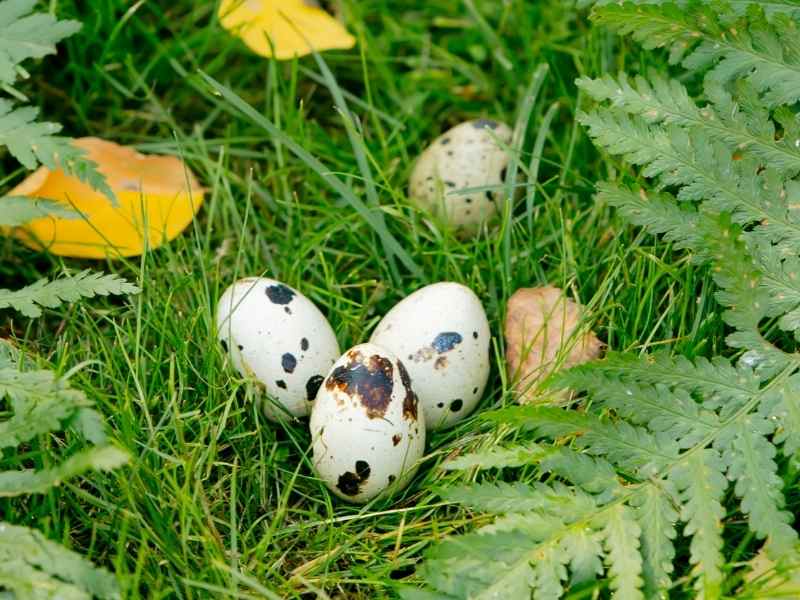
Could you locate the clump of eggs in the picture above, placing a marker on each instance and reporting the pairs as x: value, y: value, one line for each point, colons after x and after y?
x: 426, y: 364
x: 425, y: 368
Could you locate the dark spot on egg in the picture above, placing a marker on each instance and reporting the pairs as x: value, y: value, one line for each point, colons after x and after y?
x: 240, y: 347
x: 410, y: 401
x: 392, y: 478
x: 445, y: 141
x: 474, y: 390
x: 312, y: 386
x: 440, y: 363
x: 287, y: 310
x: 280, y: 294
x: 304, y: 344
x: 224, y: 345
x: 503, y: 174
x: 475, y: 334
x: 449, y: 153
x: 468, y: 199
x: 281, y: 384
x: 370, y: 383
x: 349, y: 482
x: 396, y: 439
x: 288, y: 362
x: 484, y: 124
x: 362, y: 469
x: 456, y: 405
x: 440, y: 404
x: 489, y: 196
x: 450, y: 184
x: 446, y: 341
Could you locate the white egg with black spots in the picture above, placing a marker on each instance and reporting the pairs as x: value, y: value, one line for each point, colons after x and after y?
x: 277, y: 337
x: 367, y: 430
x: 442, y: 334
x: 470, y: 155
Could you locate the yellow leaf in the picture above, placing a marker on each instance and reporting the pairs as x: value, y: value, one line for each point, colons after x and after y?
x: 157, y: 198
x: 284, y: 23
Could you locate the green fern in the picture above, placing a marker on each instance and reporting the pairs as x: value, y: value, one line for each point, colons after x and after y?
x: 662, y: 445
x: 40, y: 404
x: 18, y: 210
x: 25, y: 35
x: 735, y: 7
x: 51, y: 294
x: 33, y: 567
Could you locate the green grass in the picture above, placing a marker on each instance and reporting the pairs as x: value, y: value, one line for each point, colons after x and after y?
x: 217, y: 501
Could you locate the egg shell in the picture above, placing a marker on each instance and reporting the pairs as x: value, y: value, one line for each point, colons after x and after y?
x: 367, y: 429
x: 279, y: 338
x: 469, y: 155
x: 442, y: 334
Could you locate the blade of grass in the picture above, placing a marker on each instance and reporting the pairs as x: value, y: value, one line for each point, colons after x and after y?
x: 368, y: 214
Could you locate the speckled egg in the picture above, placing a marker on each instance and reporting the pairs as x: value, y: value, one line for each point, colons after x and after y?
x: 469, y: 155
x: 442, y: 334
x: 279, y: 338
x: 367, y: 431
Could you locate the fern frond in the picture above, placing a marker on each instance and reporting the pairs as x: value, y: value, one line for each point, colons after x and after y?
x: 50, y: 294
x: 656, y: 516
x: 518, y: 497
x: 16, y: 211
x: 750, y: 459
x: 31, y: 481
x: 34, y: 142
x: 657, y: 99
x: 718, y: 380
x: 621, y: 535
x: 704, y: 170
x: 31, y: 564
x: 24, y: 35
x: 758, y: 50
x: 701, y: 486
x: 41, y: 403
x: 633, y: 449
x: 666, y: 412
x: 737, y: 7
x: 497, y: 457
x: 783, y: 408
x: 585, y: 549
x: 594, y: 474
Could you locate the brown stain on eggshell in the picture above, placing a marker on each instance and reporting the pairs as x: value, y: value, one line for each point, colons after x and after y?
x: 367, y: 380
x: 410, y: 402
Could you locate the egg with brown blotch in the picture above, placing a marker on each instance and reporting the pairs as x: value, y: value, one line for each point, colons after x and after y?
x: 367, y: 429
x: 277, y: 337
x: 442, y: 334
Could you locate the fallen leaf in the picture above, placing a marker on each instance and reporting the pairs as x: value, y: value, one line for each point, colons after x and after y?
x: 541, y: 337
x: 288, y: 27
x: 157, y: 198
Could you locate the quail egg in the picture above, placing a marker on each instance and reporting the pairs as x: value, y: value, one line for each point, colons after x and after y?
x: 279, y: 338
x: 442, y: 334
x: 367, y: 430
x: 470, y: 155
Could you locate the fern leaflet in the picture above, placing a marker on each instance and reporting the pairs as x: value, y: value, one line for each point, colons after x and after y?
x: 50, y: 294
